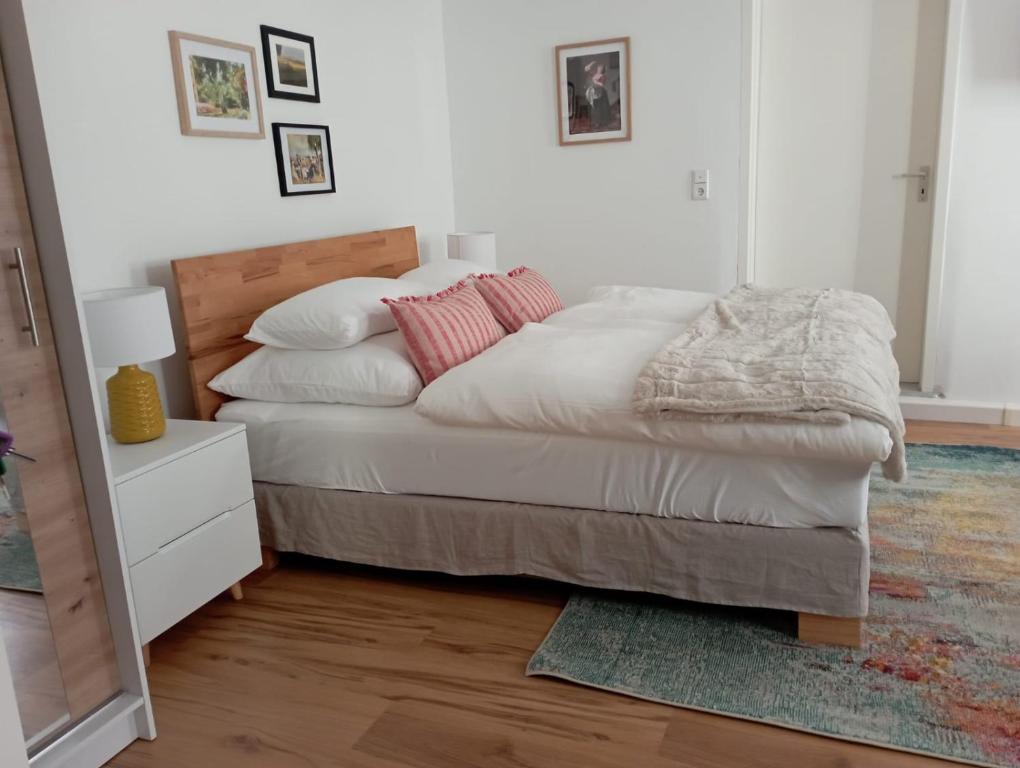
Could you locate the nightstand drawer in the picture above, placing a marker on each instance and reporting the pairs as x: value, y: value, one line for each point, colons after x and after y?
x: 191, y: 571
x: 165, y: 503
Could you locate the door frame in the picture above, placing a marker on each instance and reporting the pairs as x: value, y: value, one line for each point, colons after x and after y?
x: 750, y: 86
x: 929, y: 383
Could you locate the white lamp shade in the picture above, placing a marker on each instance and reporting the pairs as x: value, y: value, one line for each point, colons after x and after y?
x: 476, y: 247
x: 128, y: 326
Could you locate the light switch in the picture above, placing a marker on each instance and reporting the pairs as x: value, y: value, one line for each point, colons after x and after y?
x: 699, y: 185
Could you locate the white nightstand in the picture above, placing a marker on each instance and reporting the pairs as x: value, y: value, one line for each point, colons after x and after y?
x: 187, y: 513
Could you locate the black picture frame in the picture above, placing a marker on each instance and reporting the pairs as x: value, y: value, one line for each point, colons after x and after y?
x: 272, y: 89
x: 283, y: 159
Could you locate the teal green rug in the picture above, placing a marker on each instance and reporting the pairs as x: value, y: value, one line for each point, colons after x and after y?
x: 18, y: 567
x: 939, y: 672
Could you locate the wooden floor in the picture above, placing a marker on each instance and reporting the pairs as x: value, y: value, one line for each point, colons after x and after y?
x: 330, y: 665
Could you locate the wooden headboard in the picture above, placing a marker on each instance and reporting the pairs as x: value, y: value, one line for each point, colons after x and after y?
x: 221, y: 295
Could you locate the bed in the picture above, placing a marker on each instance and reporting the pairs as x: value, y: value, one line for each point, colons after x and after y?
x: 714, y: 520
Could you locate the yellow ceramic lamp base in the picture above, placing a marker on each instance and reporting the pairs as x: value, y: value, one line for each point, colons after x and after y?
x: 136, y: 414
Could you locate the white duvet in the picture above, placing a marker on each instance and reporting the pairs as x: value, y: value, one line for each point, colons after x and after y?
x: 575, y: 374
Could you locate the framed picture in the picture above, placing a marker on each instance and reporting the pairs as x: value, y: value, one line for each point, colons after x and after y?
x: 291, y: 72
x: 304, y: 159
x: 593, y: 91
x: 217, y: 87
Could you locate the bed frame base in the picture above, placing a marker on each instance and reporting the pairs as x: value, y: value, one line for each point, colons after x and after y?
x: 818, y: 574
x: 811, y: 627
x: 830, y: 630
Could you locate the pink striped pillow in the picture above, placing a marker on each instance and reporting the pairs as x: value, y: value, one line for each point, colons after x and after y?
x: 445, y: 329
x: 523, y: 296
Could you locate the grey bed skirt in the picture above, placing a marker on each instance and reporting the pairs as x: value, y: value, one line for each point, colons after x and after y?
x: 814, y: 570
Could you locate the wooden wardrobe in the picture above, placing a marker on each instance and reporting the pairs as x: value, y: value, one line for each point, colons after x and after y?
x: 32, y: 394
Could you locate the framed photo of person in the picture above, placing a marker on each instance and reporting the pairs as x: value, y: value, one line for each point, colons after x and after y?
x: 217, y: 86
x: 304, y: 159
x: 593, y: 91
x: 291, y: 72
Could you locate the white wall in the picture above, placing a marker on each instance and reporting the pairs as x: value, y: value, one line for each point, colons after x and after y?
x: 604, y: 213
x: 811, y: 138
x: 134, y: 193
x: 979, y: 354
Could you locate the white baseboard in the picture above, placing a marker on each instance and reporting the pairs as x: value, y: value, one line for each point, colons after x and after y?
x: 1011, y: 415
x: 970, y: 411
x: 93, y: 741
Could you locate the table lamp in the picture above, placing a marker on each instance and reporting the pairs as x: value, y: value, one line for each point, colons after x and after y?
x: 128, y: 326
x: 476, y: 247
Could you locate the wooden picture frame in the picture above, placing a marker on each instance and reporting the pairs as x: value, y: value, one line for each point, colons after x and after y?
x: 303, y: 85
x: 304, y: 167
x: 585, y: 72
x: 238, y: 113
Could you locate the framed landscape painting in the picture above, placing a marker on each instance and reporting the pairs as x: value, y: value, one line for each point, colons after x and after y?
x: 291, y: 72
x: 217, y: 87
x: 593, y: 91
x: 304, y: 159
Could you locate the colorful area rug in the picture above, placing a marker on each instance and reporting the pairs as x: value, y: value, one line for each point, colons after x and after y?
x: 940, y: 670
x: 18, y: 567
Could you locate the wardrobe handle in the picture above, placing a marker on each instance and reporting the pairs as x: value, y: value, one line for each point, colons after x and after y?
x: 26, y: 295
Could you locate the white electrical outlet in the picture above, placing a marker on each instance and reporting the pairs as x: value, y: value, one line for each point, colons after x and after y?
x: 699, y: 185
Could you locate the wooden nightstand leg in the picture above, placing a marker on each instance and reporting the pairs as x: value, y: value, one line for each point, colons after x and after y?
x: 145, y: 655
x: 236, y: 592
x: 270, y: 558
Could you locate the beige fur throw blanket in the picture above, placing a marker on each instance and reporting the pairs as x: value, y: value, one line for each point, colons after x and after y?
x: 776, y: 355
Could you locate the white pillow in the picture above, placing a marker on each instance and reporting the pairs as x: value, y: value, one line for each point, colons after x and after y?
x: 442, y: 274
x: 669, y: 305
x: 334, y: 315
x: 375, y: 372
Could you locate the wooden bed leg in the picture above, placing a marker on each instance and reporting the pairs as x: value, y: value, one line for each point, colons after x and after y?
x: 830, y: 630
x: 236, y: 592
x: 146, y: 659
x: 270, y: 558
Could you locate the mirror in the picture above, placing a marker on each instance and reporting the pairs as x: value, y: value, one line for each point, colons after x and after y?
x: 24, y: 621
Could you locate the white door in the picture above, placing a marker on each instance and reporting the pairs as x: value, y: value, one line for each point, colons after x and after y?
x: 848, y: 104
x: 12, y: 742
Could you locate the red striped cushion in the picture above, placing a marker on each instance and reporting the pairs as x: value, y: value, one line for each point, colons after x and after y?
x: 445, y: 329
x: 523, y: 296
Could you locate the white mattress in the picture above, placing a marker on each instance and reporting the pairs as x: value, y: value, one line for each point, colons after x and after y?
x: 395, y: 450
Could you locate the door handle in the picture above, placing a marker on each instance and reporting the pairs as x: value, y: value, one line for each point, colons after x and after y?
x: 922, y: 188
x: 26, y: 295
